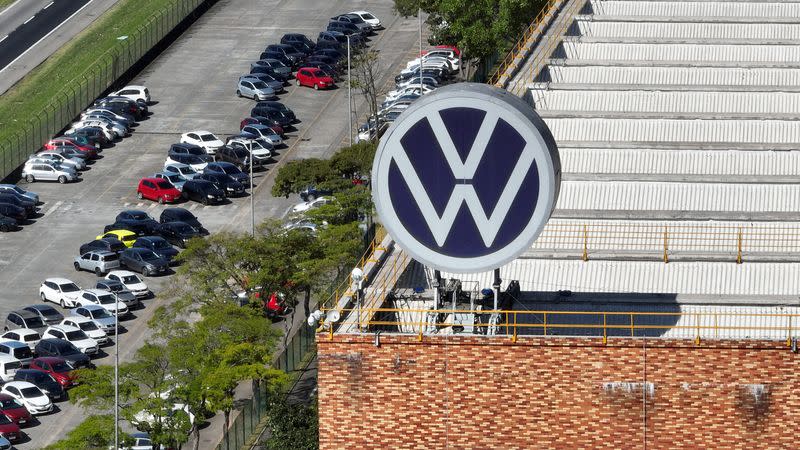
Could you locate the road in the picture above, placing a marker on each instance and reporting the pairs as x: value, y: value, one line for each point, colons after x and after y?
x: 193, y: 85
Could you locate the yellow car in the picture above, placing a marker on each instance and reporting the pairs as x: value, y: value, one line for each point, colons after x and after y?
x: 127, y: 237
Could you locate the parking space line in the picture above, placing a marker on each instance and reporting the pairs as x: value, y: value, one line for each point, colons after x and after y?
x: 4, y: 38
x: 151, y: 206
x: 54, y: 207
x: 126, y: 204
x: 193, y: 207
x: 68, y: 206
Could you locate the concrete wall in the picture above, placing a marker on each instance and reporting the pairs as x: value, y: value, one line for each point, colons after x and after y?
x: 542, y: 393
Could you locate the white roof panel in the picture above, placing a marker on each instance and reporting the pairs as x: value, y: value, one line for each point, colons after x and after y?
x: 651, y: 75
x: 688, y: 162
x: 675, y: 130
x: 688, y: 30
x: 667, y: 101
x: 695, y: 9
x: 680, y: 52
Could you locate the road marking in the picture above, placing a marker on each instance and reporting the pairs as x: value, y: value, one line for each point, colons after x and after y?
x: 31, y: 18
x: 139, y: 205
x: 48, y: 5
x: 151, y: 206
x: 45, y: 36
x: 68, y: 206
x: 54, y: 207
x: 4, y: 38
x: 193, y: 207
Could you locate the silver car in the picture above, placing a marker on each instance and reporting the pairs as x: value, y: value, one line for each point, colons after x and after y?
x: 275, y: 84
x: 40, y: 170
x: 120, y: 128
x: 173, y: 178
x: 123, y: 294
x: 58, y: 157
x: 257, y: 90
x: 99, y: 262
x: 184, y: 170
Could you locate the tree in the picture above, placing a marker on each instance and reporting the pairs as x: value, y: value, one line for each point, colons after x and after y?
x: 299, y: 174
x: 94, y: 433
x: 364, y: 71
x: 292, y: 426
x: 354, y: 161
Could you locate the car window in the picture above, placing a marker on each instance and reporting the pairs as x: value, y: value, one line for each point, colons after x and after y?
x: 69, y: 287
x: 164, y: 185
x: 76, y: 335
x: 32, y: 391
x: 192, y: 136
x: 11, y: 335
x: 30, y: 337
x: 12, y: 390
x: 208, y: 137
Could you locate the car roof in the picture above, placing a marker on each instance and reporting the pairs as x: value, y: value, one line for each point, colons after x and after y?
x: 58, y: 280
x: 49, y: 359
x: 152, y: 180
x: 133, y: 86
x: 96, y: 291
x: 24, y: 331
x: 19, y: 384
x: 121, y: 232
x: 101, y: 252
x: 39, y: 306
x: 177, y: 164
x: 6, y: 359
x: 91, y: 307
x: 79, y: 319
x: 64, y: 328
x: 199, y: 132
x: 14, y: 344
x: 177, y: 209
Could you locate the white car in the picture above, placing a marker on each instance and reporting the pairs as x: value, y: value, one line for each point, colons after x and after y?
x: 411, y: 90
x: 110, y: 135
x: 415, y: 81
x: 73, y: 335
x: 25, y: 335
x: 131, y: 281
x: 134, y: 92
x: 88, y: 326
x: 205, y: 139
x: 144, y: 417
x: 57, y: 156
x: 35, y: 401
x: 117, y: 130
x: 197, y: 164
x: 8, y: 368
x: 183, y: 170
x: 60, y: 291
x: 370, y: 18
x: 454, y: 62
x: 103, y: 298
x: 311, y: 204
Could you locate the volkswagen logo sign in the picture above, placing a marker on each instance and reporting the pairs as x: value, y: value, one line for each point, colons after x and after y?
x: 466, y: 178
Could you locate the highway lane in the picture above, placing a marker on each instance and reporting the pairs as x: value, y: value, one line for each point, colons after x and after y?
x: 35, y: 27
x: 18, y: 12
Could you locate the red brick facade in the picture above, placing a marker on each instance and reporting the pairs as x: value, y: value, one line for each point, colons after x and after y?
x: 556, y: 393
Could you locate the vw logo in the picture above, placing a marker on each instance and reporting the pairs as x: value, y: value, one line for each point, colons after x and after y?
x: 466, y: 178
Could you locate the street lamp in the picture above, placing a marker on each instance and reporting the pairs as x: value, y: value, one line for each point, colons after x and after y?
x: 252, y: 194
x: 419, y: 25
x: 349, y: 94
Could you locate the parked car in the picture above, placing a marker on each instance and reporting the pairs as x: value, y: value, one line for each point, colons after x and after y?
x: 14, y: 409
x: 95, y: 135
x: 270, y: 117
x: 144, y: 261
x: 93, y: 330
x: 204, y: 139
x: 97, y: 261
x: 14, y: 188
x: 179, y: 233
x: 311, y: 204
x: 195, y: 162
x: 181, y: 215
x: 102, y: 298
x: 107, y: 244
x: 8, y: 224
x: 123, y: 294
x: 47, y: 313
x: 26, y: 336
x: 288, y: 51
x: 369, y: 18
x: 62, y: 349
x: 130, y: 226
x: 43, y: 381
x: 240, y: 157
x: 20, y: 202
x: 8, y: 367
x: 41, y: 171
x: 175, y: 180
x: 134, y: 93
x: 59, y: 290
x: 127, y: 237
x: 229, y: 169
x: 29, y: 395
x: 225, y: 183
x: 123, y: 105
x: 263, y: 132
x: 157, y: 245
x: 237, y: 151
x: 309, y: 76
x: 24, y: 319
x: 363, y: 27
x: 131, y: 281
x: 294, y: 38
x: 17, y: 350
x: 203, y: 191
x: 159, y: 190
x: 13, y: 212
x: 65, y: 142
x: 116, y: 129
x: 272, y: 67
x: 184, y: 170
x: 311, y: 193
x: 280, y: 107
x: 340, y: 38
x: 56, y: 367
x: 257, y: 90
x: 108, y: 134
x: 104, y: 319
x: 9, y: 430
x: 273, y: 82
x: 183, y: 148
x: 57, y: 156
x: 327, y: 69
x: 426, y: 80
x: 346, y: 28
x: 125, y: 120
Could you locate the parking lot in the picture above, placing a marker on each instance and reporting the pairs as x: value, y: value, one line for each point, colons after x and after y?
x: 193, y: 87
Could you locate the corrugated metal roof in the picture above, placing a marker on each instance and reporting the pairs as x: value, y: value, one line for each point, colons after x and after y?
x: 668, y: 101
x: 696, y: 9
x: 688, y: 30
x: 681, y: 52
x: 675, y: 130
x: 692, y: 278
x: 697, y: 162
x: 650, y: 75
x: 657, y: 196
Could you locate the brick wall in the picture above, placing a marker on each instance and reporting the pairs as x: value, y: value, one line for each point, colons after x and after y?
x: 556, y: 393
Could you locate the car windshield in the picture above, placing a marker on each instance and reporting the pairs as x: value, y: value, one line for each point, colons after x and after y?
x: 101, y: 314
x: 175, y: 178
x: 164, y: 185
x: 4, y: 420
x: 69, y: 287
x: 161, y: 244
x: 75, y: 335
x: 131, y: 279
x: 32, y: 391
x: 149, y: 256
x: 35, y: 322
x: 367, y: 16
x: 194, y: 159
x: 138, y: 215
x: 186, y: 170
x: 231, y: 169
x: 61, y: 367
x: 259, y: 85
x: 88, y: 326
x: 106, y: 299
x: 317, y: 73
x: 208, y: 137
x: 10, y: 403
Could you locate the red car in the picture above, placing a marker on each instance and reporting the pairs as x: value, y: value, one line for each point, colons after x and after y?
x: 54, y: 144
x: 252, y: 120
x: 451, y: 47
x: 9, y: 429
x: 14, y: 410
x: 56, y: 367
x: 157, y: 189
x: 313, y: 77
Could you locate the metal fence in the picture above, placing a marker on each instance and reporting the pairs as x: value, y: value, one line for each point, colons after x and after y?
x: 84, y: 89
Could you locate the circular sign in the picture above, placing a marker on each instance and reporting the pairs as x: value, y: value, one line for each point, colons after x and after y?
x: 466, y: 178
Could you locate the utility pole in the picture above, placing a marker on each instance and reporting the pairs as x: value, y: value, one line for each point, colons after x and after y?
x: 419, y: 23
x: 349, y: 95
x: 252, y: 194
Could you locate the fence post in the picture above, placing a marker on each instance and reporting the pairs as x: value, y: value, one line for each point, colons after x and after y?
x: 585, y: 243
x: 545, y: 324
x: 739, y: 247
x: 666, y: 258
x: 632, y: 326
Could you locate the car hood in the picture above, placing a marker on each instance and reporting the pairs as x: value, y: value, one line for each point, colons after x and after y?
x: 106, y: 322
x: 17, y: 413
x: 84, y: 343
x: 38, y: 401
x: 135, y: 286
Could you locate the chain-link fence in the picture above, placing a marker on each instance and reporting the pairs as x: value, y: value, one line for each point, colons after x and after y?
x: 84, y: 89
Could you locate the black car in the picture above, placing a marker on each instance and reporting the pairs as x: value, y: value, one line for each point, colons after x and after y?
x: 294, y: 39
x: 229, y: 169
x: 356, y: 20
x: 224, y: 182
x: 188, y: 159
x: 337, y: 36
x: 203, y: 191
x: 143, y: 260
x: 47, y: 313
x: 109, y: 244
x: 334, y: 44
x: 302, y: 47
x: 278, y: 106
x: 331, y: 53
x: 8, y: 223
x: 24, y: 319
x: 179, y: 233
x: 189, y: 149
x: 323, y: 59
x: 270, y: 122
x: 12, y: 211
x: 157, y: 245
x: 181, y: 215
x: 312, y: 193
x: 274, y: 68
x: 63, y: 349
x: 271, y: 54
x: 140, y: 227
x: 135, y: 215
x: 42, y: 380
x: 271, y: 113
x: 122, y: 105
x: 14, y: 199
x: 288, y: 51
x: 268, y: 78
x: 94, y: 135
x: 345, y: 28
x: 327, y: 69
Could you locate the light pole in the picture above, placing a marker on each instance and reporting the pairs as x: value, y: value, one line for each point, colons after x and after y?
x: 419, y: 24
x: 116, y: 377
x: 252, y: 200
x: 349, y: 94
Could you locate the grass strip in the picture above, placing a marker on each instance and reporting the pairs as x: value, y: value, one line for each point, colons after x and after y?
x: 90, y: 48
x: 4, y: 3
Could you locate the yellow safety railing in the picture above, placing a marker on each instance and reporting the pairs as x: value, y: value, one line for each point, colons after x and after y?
x: 521, y: 47
x: 694, y: 326
x: 380, y: 287
x: 368, y: 256
x: 662, y: 240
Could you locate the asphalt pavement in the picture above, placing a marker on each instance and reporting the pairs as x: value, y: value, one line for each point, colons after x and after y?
x: 193, y: 87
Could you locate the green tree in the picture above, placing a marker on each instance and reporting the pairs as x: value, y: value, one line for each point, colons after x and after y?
x: 299, y: 174
x: 292, y: 426
x: 96, y: 432
x: 355, y: 160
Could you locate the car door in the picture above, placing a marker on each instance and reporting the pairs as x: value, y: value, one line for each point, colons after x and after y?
x: 13, y: 391
x: 247, y: 88
x: 57, y: 334
x: 193, y: 137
